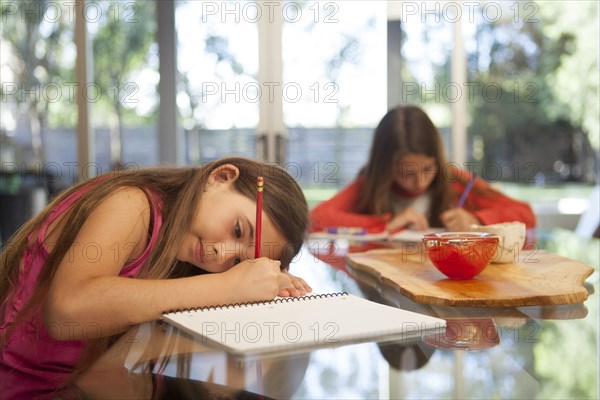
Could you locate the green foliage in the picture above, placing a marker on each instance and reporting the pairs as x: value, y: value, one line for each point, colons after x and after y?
x: 41, y: 55
x: 120, y: 46
x: 40, y: 40
x: 521, y: 109
x: 576, y: 82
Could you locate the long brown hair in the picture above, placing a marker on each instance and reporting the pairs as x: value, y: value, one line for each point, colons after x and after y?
x: 179, y: 190
x: 403, y: 130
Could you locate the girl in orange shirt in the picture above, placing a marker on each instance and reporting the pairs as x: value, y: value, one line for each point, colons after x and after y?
x: 407, y: 182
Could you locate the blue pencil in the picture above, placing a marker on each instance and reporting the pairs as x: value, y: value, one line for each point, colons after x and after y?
x: 465, y: 193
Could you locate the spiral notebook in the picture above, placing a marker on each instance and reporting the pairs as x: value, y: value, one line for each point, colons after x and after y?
x: 301, y: 323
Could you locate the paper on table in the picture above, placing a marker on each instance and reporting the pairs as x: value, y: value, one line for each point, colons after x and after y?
x: 366, y: 237
x: 408, y: 235
x: 405, y: 235
x: 307, y: 322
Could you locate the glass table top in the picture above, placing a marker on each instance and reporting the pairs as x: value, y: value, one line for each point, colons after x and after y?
x: 534, y: 352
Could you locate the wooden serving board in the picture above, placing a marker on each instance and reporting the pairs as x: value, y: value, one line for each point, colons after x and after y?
x: 539, y: 278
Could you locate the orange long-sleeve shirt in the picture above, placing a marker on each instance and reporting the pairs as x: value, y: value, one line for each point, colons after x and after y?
x: 487, y: 204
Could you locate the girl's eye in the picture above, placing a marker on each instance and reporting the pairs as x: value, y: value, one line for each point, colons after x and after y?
x: 237, y: 261
x: 238, y: 230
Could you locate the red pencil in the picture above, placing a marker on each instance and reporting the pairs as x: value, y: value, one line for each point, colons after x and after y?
x: 258, y: 228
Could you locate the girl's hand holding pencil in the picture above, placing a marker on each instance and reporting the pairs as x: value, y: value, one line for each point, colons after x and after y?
x: 288, y: 284
x: 458, y: 219
x: 408, y: 217
x: 259, y: 278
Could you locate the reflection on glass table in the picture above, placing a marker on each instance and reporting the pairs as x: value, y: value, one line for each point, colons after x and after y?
x: 486, y: 352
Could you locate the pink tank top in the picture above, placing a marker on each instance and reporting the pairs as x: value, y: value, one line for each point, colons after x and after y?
x: 32, y: 363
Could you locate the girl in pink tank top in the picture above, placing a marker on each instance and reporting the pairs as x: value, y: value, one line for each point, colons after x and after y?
x: 65, y: 287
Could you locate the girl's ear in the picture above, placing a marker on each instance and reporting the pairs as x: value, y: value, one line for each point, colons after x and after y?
x: 223, y: 174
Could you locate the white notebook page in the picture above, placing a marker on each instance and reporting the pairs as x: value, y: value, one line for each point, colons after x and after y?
x: 308, y: 322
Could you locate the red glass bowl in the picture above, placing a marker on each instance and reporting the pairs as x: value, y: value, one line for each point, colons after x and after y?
x: 461, y: 255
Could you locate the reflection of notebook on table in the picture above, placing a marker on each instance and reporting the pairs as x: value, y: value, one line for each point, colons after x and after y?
x: 301, y: 323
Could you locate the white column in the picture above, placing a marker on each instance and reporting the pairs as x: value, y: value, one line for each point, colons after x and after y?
x: 459, y: 107
x: 394, y: 57
x: 83, y: 74
x: 271, y: 127
x: 170, y: 134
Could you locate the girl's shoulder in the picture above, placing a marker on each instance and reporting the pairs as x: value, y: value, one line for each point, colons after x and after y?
x: 135, y: 196
x: 129, y: 206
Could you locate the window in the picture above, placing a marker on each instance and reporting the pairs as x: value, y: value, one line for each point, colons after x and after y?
x: 218, y: 62
x: 334, y: 72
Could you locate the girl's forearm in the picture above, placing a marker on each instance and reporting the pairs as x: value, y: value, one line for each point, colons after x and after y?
x: 107, y: 305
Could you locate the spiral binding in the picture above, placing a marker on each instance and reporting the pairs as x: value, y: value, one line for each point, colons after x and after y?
x: 258, y: 303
